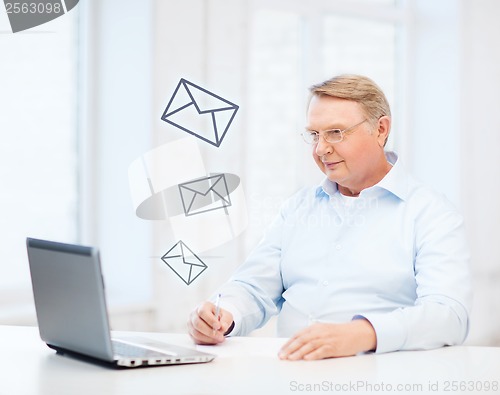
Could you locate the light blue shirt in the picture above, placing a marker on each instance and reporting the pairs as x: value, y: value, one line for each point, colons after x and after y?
x: 396, y: 255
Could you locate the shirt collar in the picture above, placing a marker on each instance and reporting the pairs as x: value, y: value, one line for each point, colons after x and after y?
x: 395, y: 181
x: 327, y: 187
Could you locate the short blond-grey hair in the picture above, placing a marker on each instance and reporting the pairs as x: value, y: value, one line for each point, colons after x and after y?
x: 357, y: 88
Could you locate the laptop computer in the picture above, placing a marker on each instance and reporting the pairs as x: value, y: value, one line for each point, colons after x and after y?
x: 70, y: 304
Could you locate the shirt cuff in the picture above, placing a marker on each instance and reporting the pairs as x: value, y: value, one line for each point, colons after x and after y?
x: 236, y: 317
x: 390, y: 331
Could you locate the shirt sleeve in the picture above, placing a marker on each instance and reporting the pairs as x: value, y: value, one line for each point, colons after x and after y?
x: 440, y: 315
x: 254, y: 293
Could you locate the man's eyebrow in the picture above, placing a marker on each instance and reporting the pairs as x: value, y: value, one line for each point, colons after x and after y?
x: 309, y: 129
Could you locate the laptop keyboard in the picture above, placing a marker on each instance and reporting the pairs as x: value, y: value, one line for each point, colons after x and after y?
x: 130, y: 351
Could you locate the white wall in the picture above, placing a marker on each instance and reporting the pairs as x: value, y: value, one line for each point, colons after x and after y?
x: 480, y: 126
x: 435, y: 86
x: 455, y: 132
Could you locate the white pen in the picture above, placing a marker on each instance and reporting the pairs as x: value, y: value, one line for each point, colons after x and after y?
x: 217, y: 310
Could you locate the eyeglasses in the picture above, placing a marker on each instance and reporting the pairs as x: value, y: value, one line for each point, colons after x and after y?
x: 330, y: 136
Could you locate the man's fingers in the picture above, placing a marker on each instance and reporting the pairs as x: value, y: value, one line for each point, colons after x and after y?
x: 289, y: 342
x: 207, y: 313
x: 199, y: 329
x: 205, y: 335
x: 292, y: 346
x: 321, y: 341
x: 301, y: 351
x: 200, y: 338
x: 226, y: 320
x: 316, y: 353
x: 205, y: 328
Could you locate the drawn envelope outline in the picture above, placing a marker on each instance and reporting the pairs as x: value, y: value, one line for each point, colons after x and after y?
x: 195, y: 194
x: 218, y: 105
x: 188, y: 269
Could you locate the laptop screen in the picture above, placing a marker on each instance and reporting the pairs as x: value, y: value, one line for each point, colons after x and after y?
x: 68, y: 289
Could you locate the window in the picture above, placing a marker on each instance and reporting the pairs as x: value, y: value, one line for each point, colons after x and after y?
x: 38, y: 149
x: 275, y: 96
x: 360, y: 46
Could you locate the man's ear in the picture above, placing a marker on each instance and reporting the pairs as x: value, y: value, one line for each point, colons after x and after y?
x: 383, y: 130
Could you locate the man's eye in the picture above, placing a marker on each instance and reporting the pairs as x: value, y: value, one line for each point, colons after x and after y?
x: 335, y: 132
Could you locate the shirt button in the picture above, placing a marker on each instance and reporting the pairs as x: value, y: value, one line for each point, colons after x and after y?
x: 325, y: 283
x: 338, y: 247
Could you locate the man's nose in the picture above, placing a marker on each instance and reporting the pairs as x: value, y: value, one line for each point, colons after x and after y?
x: 323, y: 147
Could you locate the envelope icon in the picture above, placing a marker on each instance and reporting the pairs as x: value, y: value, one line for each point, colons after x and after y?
x: 199, y: 112
x: 184, y: 262
x: 204, y: 194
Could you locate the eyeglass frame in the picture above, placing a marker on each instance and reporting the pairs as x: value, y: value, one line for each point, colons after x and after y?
x: 306, y: 134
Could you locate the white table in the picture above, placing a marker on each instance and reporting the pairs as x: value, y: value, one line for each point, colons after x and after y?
x: 247, y: 366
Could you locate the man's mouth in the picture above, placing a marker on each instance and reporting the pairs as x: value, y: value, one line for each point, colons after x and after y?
x: 332, y: 165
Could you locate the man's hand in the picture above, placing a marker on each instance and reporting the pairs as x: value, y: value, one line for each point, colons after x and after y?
x: 320, y: 341
x: 205, y: 328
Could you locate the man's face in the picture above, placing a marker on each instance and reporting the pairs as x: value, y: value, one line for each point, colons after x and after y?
x: 355, y: 162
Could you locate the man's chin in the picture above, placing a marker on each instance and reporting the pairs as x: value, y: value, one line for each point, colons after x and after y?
x: 333, y: 176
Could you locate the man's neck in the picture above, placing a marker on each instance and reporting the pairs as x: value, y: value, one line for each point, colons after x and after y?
x: 355, y: 189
